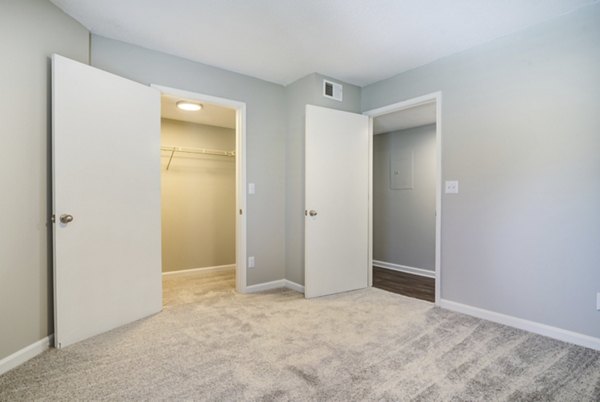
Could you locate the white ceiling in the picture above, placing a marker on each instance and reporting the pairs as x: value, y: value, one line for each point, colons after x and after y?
x: 210, y: 114
x: 409, y: 118
x: 357, y: 41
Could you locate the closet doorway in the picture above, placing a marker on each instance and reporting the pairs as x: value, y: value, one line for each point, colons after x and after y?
x: 202, y: 207
x: 406, y: 202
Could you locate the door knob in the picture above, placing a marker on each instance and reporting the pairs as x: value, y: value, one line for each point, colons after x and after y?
x: 65, y: 218
x: 312, y: 212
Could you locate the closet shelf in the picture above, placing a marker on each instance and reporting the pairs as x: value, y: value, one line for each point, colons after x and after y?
x: 190, y: 150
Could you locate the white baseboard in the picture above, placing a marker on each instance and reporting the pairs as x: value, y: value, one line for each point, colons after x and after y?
x: 28, y: 352
x: 404, y: 268
x: 261, y: 287
x: 192, y: 270
x: 278, y: 284
x: 294, y: 286
x: 526, y: 325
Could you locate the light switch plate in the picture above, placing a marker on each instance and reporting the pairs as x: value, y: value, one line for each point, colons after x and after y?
x: 250, y: 262
x: 451, y: 186
x: 251, y: 188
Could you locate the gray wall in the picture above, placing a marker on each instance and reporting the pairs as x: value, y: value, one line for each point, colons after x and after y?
x: 307, y: 90
x: 30, y: 30
x: 265, y: 136
x: 521, y: 132
x: 404, y: 220
x: 197, y: 197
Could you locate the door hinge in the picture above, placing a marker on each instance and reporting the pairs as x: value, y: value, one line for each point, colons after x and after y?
x: 240, y: 211
x: 53, y: 218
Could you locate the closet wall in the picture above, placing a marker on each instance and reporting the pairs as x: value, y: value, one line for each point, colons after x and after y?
x: 404, y: 216
x: 198, y: 197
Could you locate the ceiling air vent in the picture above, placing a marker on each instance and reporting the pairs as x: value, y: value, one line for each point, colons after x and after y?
x: 332, y: 90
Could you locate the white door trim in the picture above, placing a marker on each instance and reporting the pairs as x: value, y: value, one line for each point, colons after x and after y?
x: 240, y: 173
x: 395, y: 107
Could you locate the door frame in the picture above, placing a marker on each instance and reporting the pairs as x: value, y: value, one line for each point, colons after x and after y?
x: 240, y: 173
x: 435, y: 97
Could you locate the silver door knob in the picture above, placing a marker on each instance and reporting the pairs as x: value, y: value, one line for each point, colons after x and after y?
x: 312, y: 212
x: 65, y: 218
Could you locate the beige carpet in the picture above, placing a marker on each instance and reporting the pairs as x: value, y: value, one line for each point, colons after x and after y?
x: 210, y: 343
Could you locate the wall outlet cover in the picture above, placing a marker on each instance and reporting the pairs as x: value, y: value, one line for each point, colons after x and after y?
x: 251, y: 262
x: 451, y: 186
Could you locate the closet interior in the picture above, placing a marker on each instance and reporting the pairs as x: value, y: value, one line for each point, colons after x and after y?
x: 404, y: 201
x: 198, y: 199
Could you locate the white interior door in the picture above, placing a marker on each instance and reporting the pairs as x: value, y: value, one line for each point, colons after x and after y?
x: 106, y: 178
x: 337, y: 191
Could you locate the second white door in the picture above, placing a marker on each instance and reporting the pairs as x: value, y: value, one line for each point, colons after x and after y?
x: 337, y: 191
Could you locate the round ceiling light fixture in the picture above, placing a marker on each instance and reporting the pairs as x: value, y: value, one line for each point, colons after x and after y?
x: 189, y: 106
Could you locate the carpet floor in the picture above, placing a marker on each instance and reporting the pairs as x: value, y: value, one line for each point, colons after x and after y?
x: 210, y: 343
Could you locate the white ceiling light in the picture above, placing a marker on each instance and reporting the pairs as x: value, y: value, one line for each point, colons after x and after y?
x: 189, y: 106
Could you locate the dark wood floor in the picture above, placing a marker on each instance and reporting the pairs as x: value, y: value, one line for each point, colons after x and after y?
x: 405, y: 284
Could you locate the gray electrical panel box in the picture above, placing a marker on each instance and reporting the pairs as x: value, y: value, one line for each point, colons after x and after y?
x: 401, y: 170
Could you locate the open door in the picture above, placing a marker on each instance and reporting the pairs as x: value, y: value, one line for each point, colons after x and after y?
x: 106, y: 201
x: 337, y: 204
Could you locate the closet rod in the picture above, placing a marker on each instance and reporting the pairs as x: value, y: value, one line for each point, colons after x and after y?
x: 190, y: 150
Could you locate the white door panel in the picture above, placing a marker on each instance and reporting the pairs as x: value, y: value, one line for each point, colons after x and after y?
x: 106, y: 174
x: 337, y: 168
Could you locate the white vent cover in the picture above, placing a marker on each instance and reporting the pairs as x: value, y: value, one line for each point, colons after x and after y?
x: 332, y: 90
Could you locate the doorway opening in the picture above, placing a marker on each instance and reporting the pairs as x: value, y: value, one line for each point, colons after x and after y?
x: 202, y: 196
x: 405, y: 201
